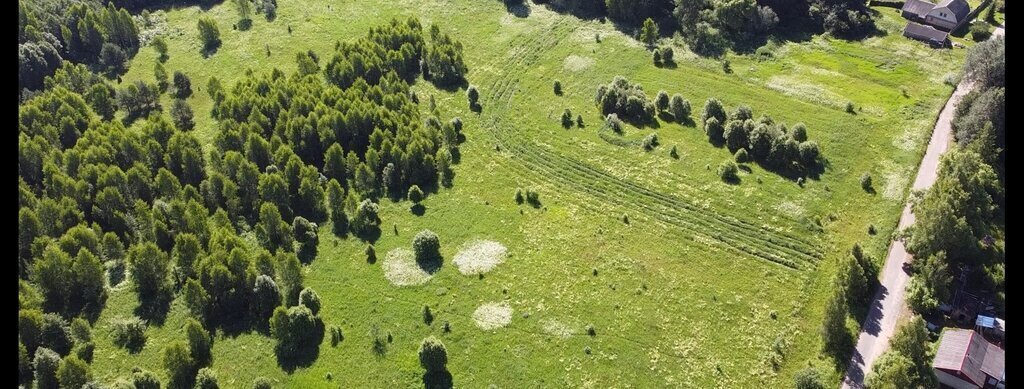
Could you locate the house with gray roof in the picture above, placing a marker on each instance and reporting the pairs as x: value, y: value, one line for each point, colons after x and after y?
x: 946, y: 15
x: 965, y: 360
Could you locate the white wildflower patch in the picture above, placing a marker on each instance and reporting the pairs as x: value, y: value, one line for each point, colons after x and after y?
x: 492, y: 316
x: 480, y: 257
x: 401, y: 269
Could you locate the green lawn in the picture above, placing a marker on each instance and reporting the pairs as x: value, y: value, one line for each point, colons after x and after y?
x: 686, y: 294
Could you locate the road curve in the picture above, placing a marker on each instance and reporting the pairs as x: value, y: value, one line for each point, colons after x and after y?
x: 888, y: 301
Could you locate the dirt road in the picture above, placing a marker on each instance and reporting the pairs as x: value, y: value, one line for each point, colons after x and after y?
x: 889, y: 302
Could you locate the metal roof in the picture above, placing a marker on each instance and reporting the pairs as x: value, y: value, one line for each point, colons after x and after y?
x: 965, y: 351
x: 985, y: 322
x: 929, y: 33
x: 918, y: 7
x: 960, y: 8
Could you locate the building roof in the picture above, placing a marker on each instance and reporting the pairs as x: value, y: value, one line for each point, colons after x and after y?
x: 960, y: 8
x: 918, y: 7
x: 967, y: 352
x: 985, y: 322
x: 929, y: 33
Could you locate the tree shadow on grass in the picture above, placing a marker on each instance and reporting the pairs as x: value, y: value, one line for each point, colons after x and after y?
x: 437, y: 380
x: 418, y: 209
x: 431, y: 265
x: 211, y: 49
x: 154, y: 310
x: 371, y: 235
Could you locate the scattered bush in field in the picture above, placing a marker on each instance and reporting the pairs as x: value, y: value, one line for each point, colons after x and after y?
x: 661, y: 101
x: 209, y: 34
x: 613, y: 122
x: 715, y: 132
x: 849, y: 107
x: 728, y: 171
x: 590, y: 330
x: 865, y: 182
x: 446, y: 327
x: 579, y: 121
x: 673, y: 153
x: 415, y: 194
x: 85, y: 350
x: 979, y: 31
x: 311, y: 300
x: 809, y: 378
x: 741, y: 156
x: 182, y: 85
x: 713, y: 109
x: 533, y: 198
x: 650, y: 141
x: 427, y: 247
x: 366, y: 218
x: 130, y: 333
x: 656, y: 56
x: 200, y: 343
x: 558, y: 87
x: 667, y: 55
x: 679, y: 107
x: 371, y: 254
x: 519, y: 196
x: 433, y: 355
x: 726, y: 66
x: 262, y: 383
x: 206, y: 378
x: 181, y: 367
x: 181, y: 114
x: 799, y: 132
x: 625, y: 218
x: 567, y: 118
x: 428, y: 317
x: 160, y: 45
x: 336, y: 335
x: 871, y: 229
x: 473, y: 95
x: 295, y: 329
x: 624, y: 99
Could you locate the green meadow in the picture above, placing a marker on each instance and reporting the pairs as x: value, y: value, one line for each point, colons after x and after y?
x: 709, y: 284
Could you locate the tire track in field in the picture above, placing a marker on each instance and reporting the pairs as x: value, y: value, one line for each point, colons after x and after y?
x: 723, y: 231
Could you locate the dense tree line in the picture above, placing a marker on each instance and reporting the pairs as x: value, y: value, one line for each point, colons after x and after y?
x: 960, y: 219
x: 226, y: 231
x: 53, y: 31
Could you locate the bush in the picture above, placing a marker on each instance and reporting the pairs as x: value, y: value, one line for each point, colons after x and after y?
x: 613, y: 122
x: 532, y: 197
x: 336, y: 336
x: 433, y: 355
x: 661, y: 101
x: 979, y: 31
x: 428, y: 317
x: 371, y: 254
x: 85, y: 350
x: 160, y: 45
x: 180, y: 366
x: 55, y: 334
x: 145, y: 379
x: 809, y: 378
x: 590, y: 330
x: 199, y: 341
x: 473, y: 95
x: 713, y: 109
x: 799, y: 132
x: 130, y: 333
x: 182, y: 85
x: 715, y: 132
x: 871, y: 229
x: 657, y: 57
x: 311, y: 300
x: 74, y: 373
x: 261, y: 383
x: 667, y: 55
x: 206, y: 378
x: 674, y: 153
x: 741, y: 156
x: 579, y: 121
x: 650, y: 141
x: 427, y: 247
x: 46, y: 363
x: 558, y: 87
x: 624, y: 99
x: 567, y: 118
x: 366, y: 218
x: 865, y: 182
x: 415, y: 194
x: 849, y: 107
x: 728, y: 171
x: 680, y: 107
x: 519, y: 196
x: 181, y: 114
x: 209, y: 34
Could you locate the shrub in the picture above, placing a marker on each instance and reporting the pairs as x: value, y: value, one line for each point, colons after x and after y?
x: 130, y: 333
x: 728, y: 171
x: 46, y: 363
x: 865, y: 182
x: 715, y: 132
x: 181, y: 114
x: 74, y: 373
x: 199, y: 341
x: 371, y: 254
x: 428, y: 317
x: 295, y: 329
x: 532, y: 197
x: 336, y: 336
x: 661, y: 101
x: 427, y: 247
x: 415, y: 194
x: 809, y: 378
x: 180, y: 366
x: 674, y: 153
x: 650, y: 141
x: 311, y: 300
x: 160, y: 45
x: 433, y: 355
x: 113, y: 59
x: 209, y: 34
x: 366, y: 217
x: 849, y: 107
x: 712, y: 109
x: 742, y: 156
x: 519, y: 196
x: 613, y: 122
x: 145, y: 379
x: 871, y: 229
x: 726, y: 66
x: 261, y: 383
x: 567, y: 118
x: 649, y: 32
x: 679, y: 107
x: 55, y: 334
x: 625, y: 218
x: 473, y: 95
x: 85, y: 351
x: 182, y: 85
x: 624, y: 99
x: 667, y: 55
x: 590, y: 330
x: 206, y: 378
x: 799, y: 132
x: 558, y: 87
x: 579, y: 121
x: 979, y: 31
x: 657, y: 57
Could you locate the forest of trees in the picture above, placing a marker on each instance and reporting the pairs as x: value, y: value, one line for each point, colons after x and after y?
x: 228, y: 231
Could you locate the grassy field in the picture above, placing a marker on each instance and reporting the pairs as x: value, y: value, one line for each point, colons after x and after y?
x: 693, y: 292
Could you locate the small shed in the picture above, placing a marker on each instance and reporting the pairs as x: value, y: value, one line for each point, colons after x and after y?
x: 928, y: 34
